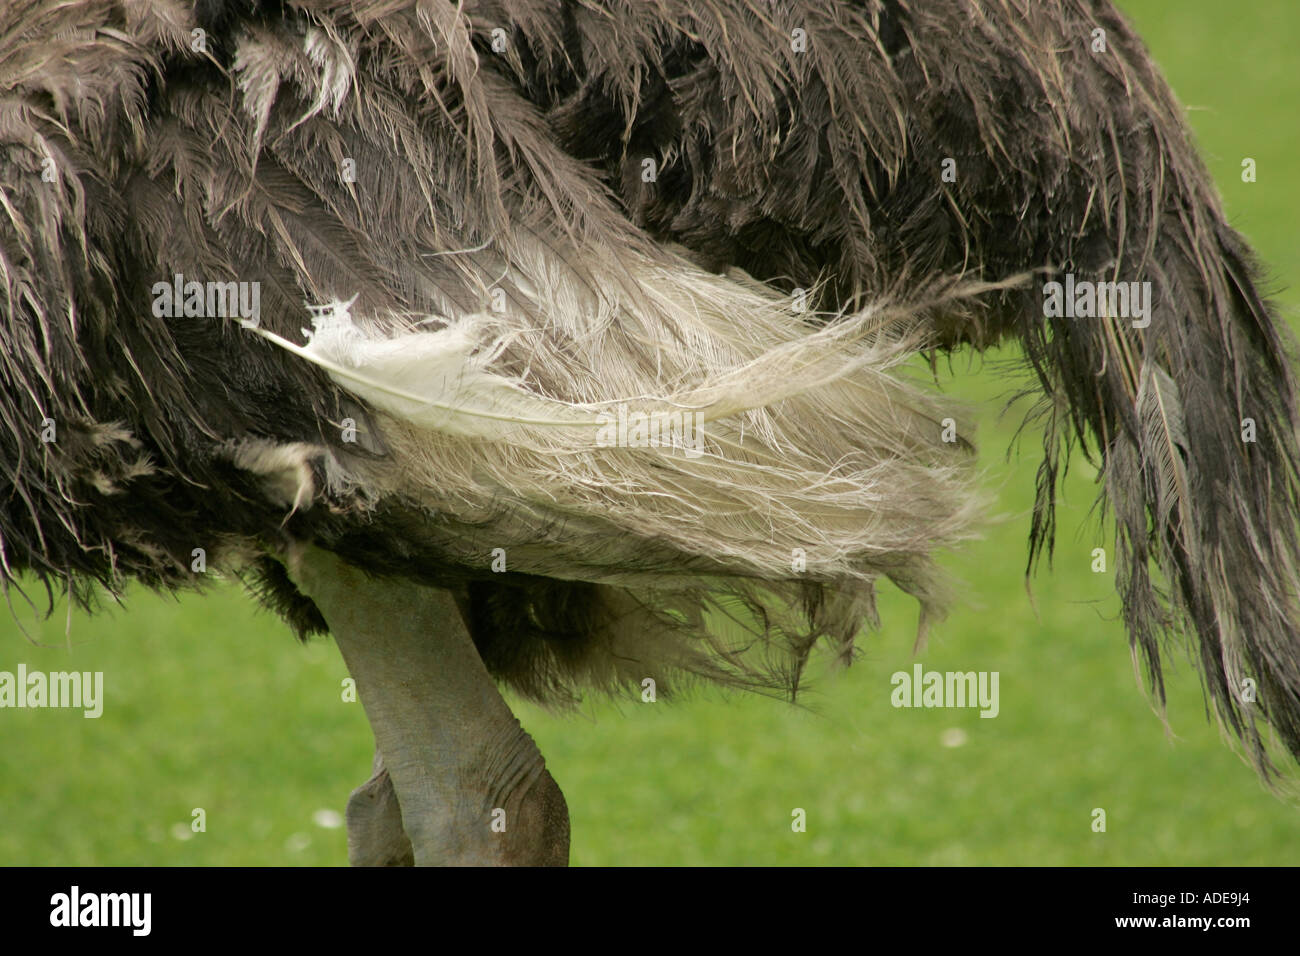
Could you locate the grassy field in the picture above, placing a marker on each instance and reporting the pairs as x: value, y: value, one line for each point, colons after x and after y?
x: 210, y: 704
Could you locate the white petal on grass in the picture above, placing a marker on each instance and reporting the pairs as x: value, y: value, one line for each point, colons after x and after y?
x: 182, y: 832
x: 327, y: 819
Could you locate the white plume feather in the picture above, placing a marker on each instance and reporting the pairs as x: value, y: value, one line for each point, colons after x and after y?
x: 437, y: 379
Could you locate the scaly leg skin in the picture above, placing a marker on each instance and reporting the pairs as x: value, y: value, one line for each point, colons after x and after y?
x: 375, y: 834
x: 472, y: 786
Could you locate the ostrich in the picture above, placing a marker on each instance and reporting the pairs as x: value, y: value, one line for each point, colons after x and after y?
x: 522, y: 341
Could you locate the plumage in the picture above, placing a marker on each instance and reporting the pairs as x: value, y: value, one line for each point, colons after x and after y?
x: 539, y: 211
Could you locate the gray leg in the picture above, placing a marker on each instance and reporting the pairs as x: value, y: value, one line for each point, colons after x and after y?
x: 472, y: 786
x: 375, y: 834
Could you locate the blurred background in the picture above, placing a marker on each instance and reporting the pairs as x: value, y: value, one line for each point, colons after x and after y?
x: 211, y: 704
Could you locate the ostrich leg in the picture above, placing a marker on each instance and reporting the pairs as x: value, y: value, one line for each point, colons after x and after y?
x: 375, y: 834
x: 472, y: 786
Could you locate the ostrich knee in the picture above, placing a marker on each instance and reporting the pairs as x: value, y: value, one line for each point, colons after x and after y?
x: 471, y: 785
x: 375, y: 834
x: 544, y: 823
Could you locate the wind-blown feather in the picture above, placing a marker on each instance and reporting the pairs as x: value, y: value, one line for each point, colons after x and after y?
x: 437, y: 379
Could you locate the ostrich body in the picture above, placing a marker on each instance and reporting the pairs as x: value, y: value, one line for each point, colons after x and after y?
x: 521, y: 341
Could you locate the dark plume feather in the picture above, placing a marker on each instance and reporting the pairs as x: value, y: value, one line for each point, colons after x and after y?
x: 1069, y: 160
x: 501, y: 147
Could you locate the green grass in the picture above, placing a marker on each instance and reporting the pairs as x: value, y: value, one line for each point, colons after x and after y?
x: 210, y: 703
